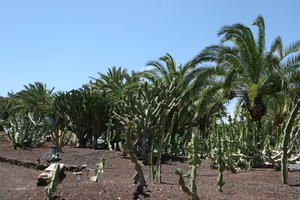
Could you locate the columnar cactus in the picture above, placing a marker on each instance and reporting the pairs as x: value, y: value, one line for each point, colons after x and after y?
x: 139, y: 175
x: 286, y: 138
x: 221, y: 163
x: 194, y: 161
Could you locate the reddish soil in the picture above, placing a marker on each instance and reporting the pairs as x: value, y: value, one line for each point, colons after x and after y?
x: 18, y: 182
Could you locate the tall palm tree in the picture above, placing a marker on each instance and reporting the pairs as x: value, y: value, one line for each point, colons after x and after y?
x: 250, y: 70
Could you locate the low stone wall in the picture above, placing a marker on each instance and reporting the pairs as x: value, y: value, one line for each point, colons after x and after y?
x: 39, y: 166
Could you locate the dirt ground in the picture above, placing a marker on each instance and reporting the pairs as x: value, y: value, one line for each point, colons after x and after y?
x: 17, y: 182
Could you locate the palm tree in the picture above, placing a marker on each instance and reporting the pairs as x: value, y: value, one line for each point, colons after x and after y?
x: 249, y: 70
x: 112, y: 83
x: 165, y: 70
x: 116, y: 85
x: 286, y: 64
x: 34, y: 98
x: 199, y: 91
x: 175, y: 79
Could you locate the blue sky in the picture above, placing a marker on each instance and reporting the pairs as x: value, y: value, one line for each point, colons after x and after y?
x: 63, y: 43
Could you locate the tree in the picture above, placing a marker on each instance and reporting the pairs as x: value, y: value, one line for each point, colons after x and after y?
x: 251, y: 72
x: 34, y: 98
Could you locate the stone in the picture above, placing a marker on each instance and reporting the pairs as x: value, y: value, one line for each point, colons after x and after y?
x: 45, y: 177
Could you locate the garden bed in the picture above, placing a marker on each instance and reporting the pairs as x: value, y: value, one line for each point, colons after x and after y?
x: 17, y: 182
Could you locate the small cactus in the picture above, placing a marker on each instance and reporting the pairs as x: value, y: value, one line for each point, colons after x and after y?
x: 99, y: 170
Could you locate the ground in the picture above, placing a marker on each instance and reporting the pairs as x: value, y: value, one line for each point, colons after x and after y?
x: 17, y: 182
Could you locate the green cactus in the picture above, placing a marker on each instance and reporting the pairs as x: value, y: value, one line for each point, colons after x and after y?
x: 286, y: 138
x: 156, y: 173
x: 194, y: 161
x: 138, y: 178
x: 221, y: 163
x: 181, y: 182
x: 99, y: 170
x: 84, y: 112
x: 26, y: 130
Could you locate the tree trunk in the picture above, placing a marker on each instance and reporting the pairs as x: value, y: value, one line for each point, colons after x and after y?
x: 258, y: 109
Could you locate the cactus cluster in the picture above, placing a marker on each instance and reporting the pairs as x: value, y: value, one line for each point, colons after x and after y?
x: 83, y: 112
x: 26, y: 131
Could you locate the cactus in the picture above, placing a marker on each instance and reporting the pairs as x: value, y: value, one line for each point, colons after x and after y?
x: 194, y: 161
x: 156, y: 173
x: 286, y: 138
x: 99, y: 170
x: 23, y: 131
x: 51, y: 188
x: 221, y: 163
x: 83, y: 112
x: 181, y: 182
x: 139, y: 175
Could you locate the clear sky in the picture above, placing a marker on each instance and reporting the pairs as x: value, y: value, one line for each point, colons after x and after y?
x: 64, y: 42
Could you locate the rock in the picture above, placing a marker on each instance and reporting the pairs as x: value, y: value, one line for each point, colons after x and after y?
x: 75, y: 168
x: 294, y: 167
x: 45, y: 177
